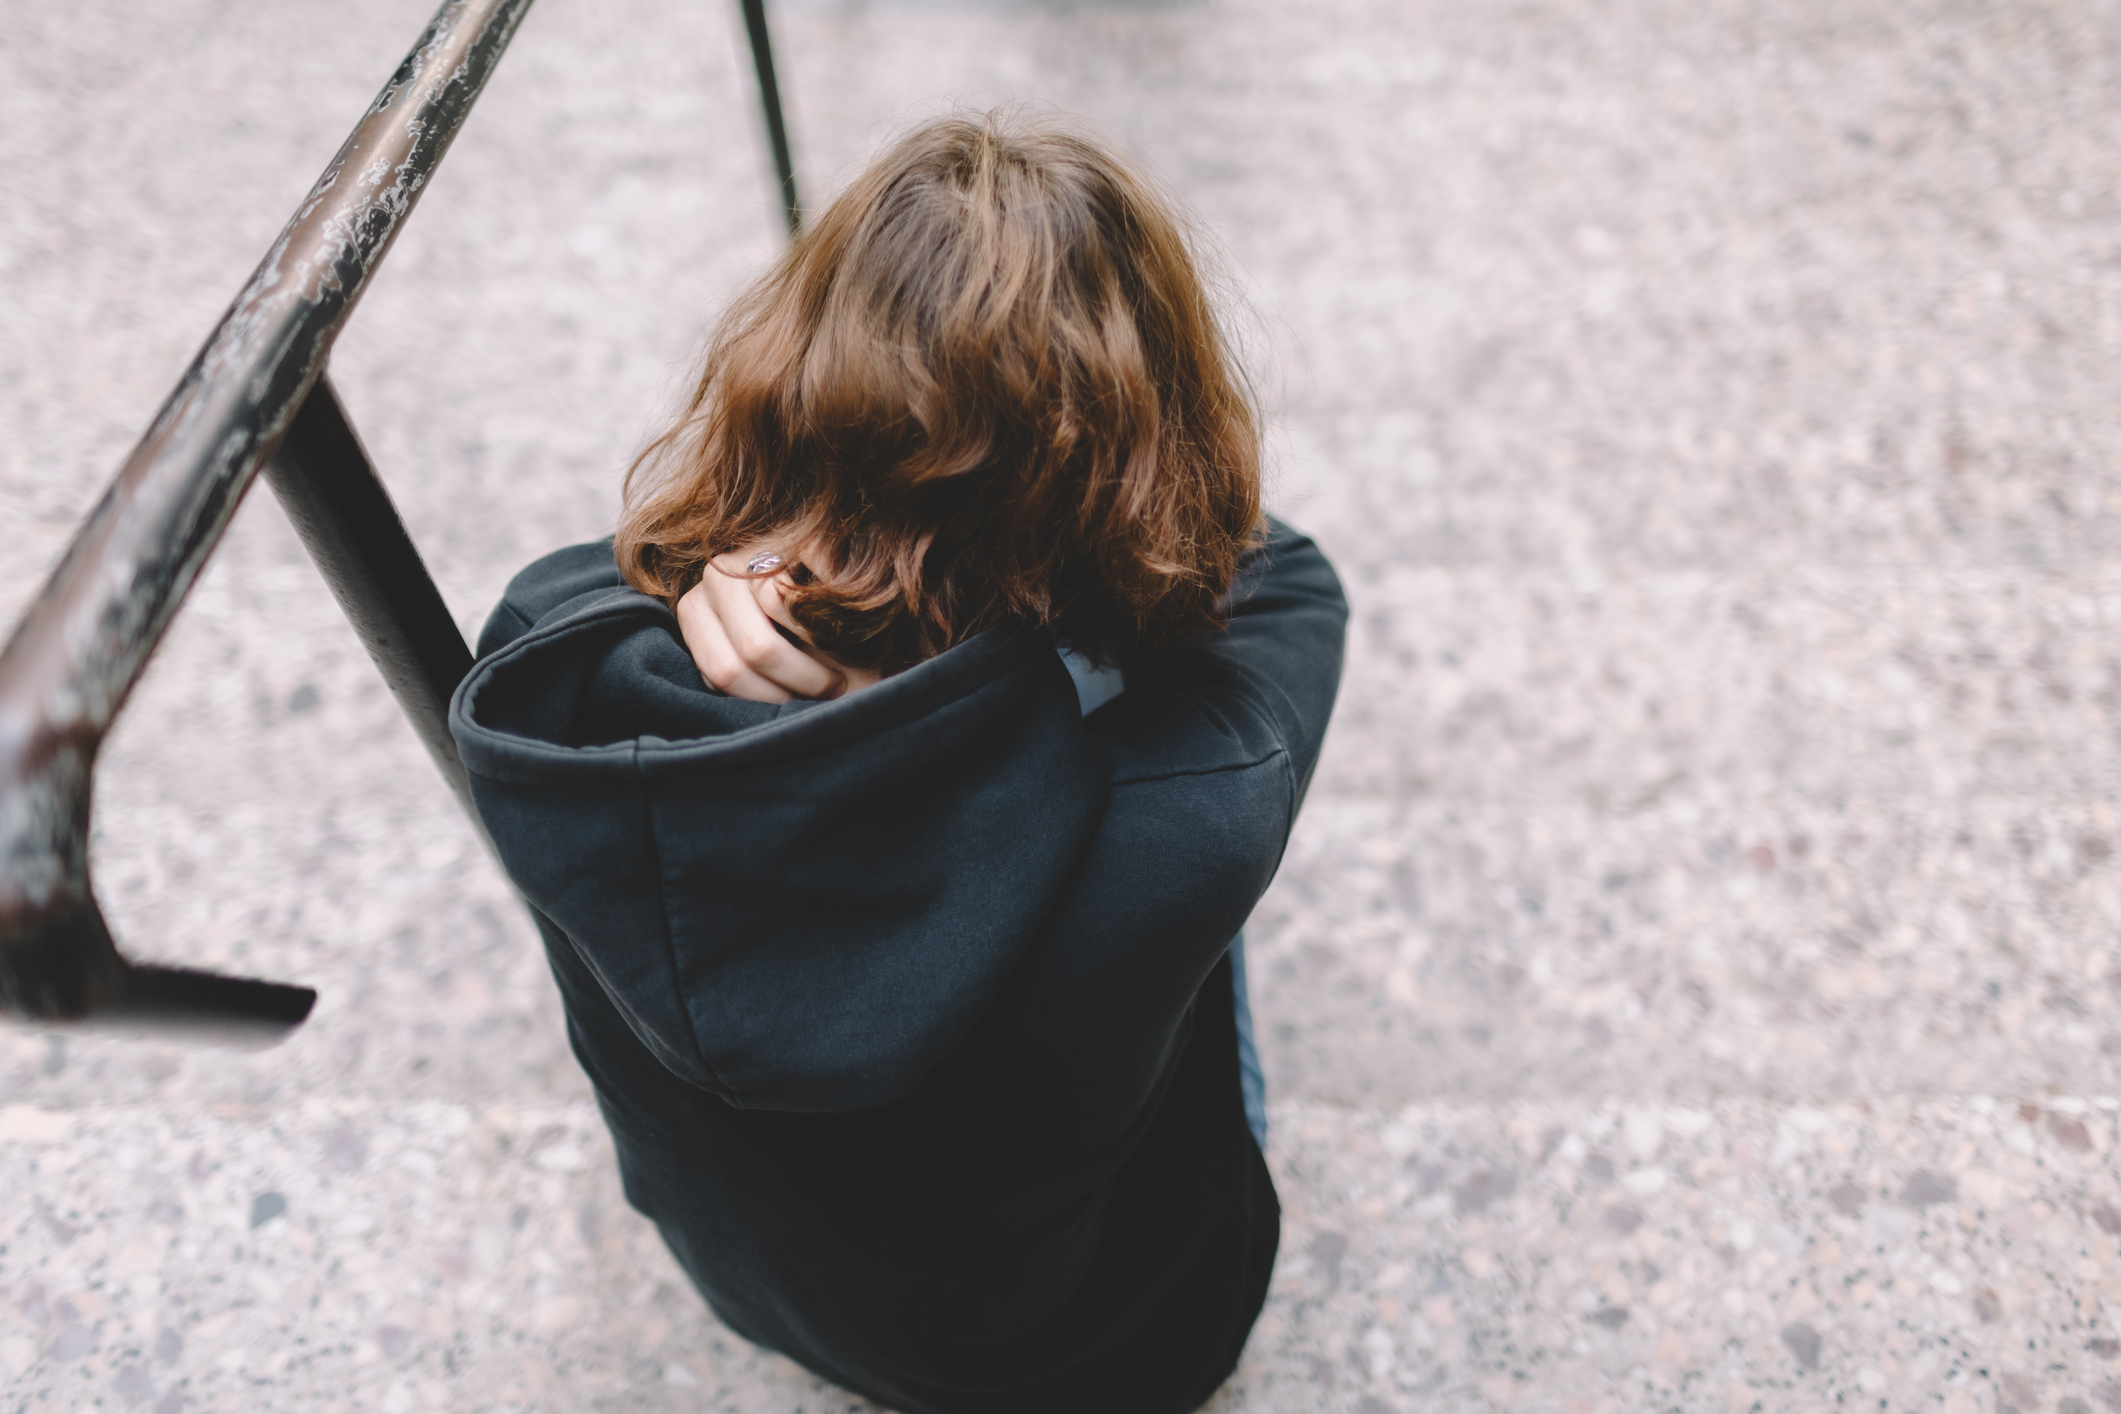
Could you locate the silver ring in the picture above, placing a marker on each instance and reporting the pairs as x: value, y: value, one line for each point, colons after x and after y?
x: 763, y: 562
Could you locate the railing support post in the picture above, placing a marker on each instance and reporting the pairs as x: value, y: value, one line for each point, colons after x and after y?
x: 330, y: 492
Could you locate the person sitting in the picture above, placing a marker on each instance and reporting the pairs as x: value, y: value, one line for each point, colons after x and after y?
x: 891, y: 788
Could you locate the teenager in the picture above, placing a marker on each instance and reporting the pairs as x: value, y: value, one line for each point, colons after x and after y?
x: 904, y: 977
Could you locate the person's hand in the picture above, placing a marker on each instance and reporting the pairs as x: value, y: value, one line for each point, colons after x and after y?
x: 728, y: 620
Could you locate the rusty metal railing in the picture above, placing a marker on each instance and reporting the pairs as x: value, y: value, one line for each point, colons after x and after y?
x: 255, y: 398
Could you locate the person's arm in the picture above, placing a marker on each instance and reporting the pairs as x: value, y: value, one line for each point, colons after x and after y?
x: 1269, y: 678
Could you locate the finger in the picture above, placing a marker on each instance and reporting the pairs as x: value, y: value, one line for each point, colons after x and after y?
x: 761, y: 648
x: 715, y: 656
x: 772, y: 596
x: 773, y: 601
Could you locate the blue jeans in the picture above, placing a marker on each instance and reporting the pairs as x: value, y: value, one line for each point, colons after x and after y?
x: 1250, y: 1076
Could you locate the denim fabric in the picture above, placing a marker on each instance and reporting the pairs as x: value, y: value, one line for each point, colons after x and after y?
x: 1250, y: 1076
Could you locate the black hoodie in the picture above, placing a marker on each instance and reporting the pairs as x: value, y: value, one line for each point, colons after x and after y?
x: 910, y: 1013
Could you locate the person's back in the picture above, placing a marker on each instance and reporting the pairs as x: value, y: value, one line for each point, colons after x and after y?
x: 909, y: 1009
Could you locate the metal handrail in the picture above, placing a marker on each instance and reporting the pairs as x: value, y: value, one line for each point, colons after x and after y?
x: 254, y: 398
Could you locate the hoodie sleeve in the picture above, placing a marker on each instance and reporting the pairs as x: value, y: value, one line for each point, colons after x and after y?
x: 1264, y: 685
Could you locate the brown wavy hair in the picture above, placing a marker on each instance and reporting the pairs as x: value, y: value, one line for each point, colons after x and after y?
x: 987, y: 384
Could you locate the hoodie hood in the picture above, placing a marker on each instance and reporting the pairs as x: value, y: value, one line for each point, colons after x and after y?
x: 801, y: 906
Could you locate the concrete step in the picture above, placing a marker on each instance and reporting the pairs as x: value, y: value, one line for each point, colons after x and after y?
x: 1956, y: 1254
x: 1951, y: 1254
x: 1690, y: 950
x: 1615, y: 685
x: 1691, y: 987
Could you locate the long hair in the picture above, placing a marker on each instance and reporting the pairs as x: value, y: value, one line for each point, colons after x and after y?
x: 986, y: 385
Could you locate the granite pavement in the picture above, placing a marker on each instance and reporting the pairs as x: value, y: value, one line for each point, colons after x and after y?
x: 1693, y: 985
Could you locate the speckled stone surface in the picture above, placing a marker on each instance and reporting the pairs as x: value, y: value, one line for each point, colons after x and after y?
x: 1693, y: 986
